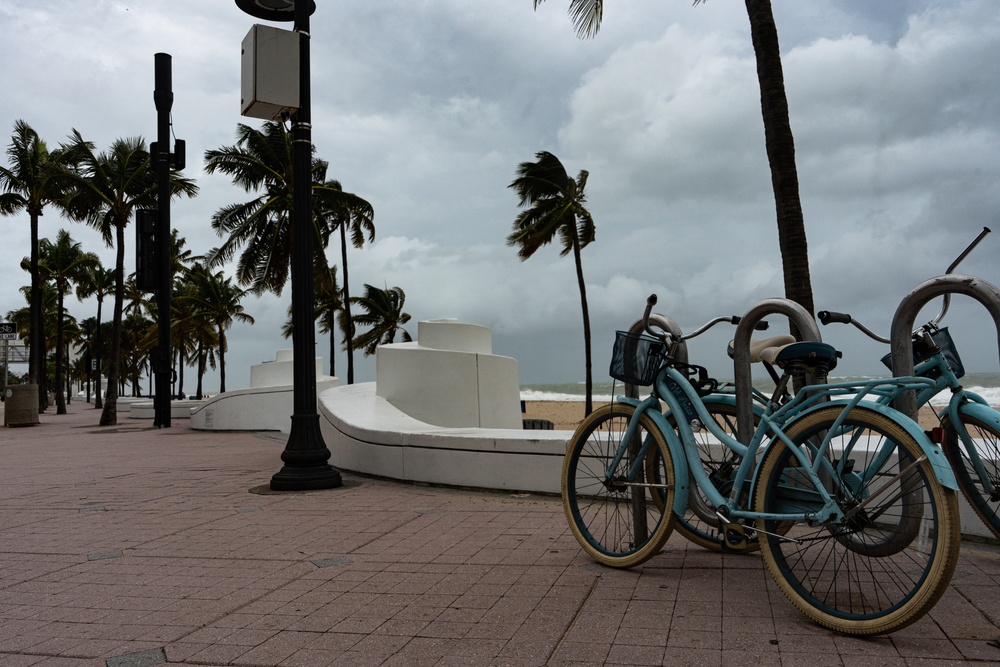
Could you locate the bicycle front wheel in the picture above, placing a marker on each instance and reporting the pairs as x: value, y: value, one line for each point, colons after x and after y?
x: 619, y: 516
x: 891, y: 558
x: 987, y: 443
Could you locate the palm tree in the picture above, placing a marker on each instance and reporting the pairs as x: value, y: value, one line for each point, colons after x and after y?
x: 29, y: 184
x: 63, y: 263
x: 217, y: 300
x: 384, y: 314
x: 347, y: 214
x: 261, y: 161
x: 106, y: 189
x: 555, y: 206
x: 99, y: 283
x: 780, y: 145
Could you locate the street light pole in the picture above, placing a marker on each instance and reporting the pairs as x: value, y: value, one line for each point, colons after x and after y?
x: 306, y: 454
x: 163, y: 96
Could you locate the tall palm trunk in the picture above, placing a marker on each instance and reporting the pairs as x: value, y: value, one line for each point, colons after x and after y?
x: 349, y: 334
x: 98, y: 398
x: 780, y: 154
x: 109, y: 416
x: 589, y: 405
x: 60, y: 397
x: 222, y: 359
x: 201, y: 370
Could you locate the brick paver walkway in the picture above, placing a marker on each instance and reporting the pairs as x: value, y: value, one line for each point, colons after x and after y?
x: 132, y: 547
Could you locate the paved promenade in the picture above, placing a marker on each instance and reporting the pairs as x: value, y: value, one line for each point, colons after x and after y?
x: 131, y: 547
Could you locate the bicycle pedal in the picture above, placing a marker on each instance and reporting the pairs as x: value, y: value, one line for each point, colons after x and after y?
x: 734, y: 536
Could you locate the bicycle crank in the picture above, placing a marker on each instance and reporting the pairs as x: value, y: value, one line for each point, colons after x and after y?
x: 735, y: 535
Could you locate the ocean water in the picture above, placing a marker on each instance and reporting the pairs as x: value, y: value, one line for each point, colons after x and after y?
x: 986, y: 385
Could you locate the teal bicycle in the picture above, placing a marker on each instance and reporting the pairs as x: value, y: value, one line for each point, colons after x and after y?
x: 854, y: 508
x: 969, y: 428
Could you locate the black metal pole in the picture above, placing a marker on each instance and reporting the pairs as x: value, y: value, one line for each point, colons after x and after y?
x: 163, y: 96
x: 90, y: 356
x: 305, y: 455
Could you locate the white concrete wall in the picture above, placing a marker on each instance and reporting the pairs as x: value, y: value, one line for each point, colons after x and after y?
x: 367, y: 434
x: 279, y: 372
x: 449, y: 377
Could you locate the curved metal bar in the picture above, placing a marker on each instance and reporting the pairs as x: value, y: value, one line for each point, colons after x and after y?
x: 909, y: 308
x: 671, y: 327
x: 806, y: 325
x: 946, y: 302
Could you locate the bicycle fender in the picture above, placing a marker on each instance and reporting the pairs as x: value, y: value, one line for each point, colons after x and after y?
x: 729, y: 399
x: 681, y: 472
x: 936, y: 457
x: 980, y: 411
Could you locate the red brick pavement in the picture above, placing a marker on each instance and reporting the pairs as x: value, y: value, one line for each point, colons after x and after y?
x: 131, y: 547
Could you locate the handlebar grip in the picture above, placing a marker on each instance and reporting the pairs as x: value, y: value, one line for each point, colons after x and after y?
x: 828, y: 316
x: 760, y: 326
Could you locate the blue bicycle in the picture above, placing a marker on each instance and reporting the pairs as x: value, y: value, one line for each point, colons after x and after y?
x: 854, y: 509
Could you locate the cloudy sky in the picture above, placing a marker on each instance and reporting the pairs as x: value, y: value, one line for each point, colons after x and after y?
x: 426, y: 107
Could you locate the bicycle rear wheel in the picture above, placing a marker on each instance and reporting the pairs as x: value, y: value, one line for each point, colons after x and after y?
x: 621, y: 520
x: 892, y: 557
x: 987, y: 440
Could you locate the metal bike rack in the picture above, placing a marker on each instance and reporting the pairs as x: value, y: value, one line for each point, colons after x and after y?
x: 909, y: 308
x: 668, y: 325
x: 808, y: 330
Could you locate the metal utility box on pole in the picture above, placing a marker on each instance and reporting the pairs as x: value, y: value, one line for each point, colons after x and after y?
x: 269, y: 73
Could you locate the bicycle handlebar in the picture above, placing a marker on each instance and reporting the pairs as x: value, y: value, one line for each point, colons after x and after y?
x: 731, y: 319
x: 828, y: 316
x: 831, y: 316
x: 946, y: 301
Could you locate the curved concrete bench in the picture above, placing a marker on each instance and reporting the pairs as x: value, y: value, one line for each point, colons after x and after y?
x: 145, y: 409
x: 252, y: 409
x: 366, y: 434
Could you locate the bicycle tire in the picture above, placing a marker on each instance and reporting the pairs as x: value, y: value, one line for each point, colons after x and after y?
x: 828, y: 576
x: 720, y: 463
x: 987, y: 438
x: 619, y: 525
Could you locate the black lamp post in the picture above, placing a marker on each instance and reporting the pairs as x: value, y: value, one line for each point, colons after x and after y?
x: 306, y: 455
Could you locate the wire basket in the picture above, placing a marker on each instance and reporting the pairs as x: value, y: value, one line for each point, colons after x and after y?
x: 636, y: 358
x: 943, y: 340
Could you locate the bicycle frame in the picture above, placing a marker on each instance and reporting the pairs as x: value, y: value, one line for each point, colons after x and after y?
x: 960, y: 398
x: 772, y: 421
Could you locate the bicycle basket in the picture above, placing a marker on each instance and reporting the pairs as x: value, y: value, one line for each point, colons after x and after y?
x: 921, y: 352
x: 636, y: 358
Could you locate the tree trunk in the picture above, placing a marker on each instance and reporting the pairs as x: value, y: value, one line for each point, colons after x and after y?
x: 222, y: 360
x: 60, y: 397
x: 109, y: 416
x: 780, y: 154
x: 98, y: 398
x: 201, y: 370
x: 589, y: 406
x: 349, y: 334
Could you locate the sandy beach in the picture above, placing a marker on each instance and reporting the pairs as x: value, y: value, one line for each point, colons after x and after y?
x: 565, y: 415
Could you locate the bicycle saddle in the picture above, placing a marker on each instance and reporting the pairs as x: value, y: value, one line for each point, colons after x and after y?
x: 758, y: 346
x: 815, y: 358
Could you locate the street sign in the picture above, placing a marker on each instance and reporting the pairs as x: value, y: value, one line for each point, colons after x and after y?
x: 8, y: 331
